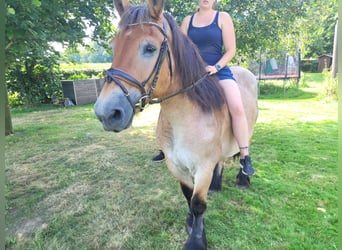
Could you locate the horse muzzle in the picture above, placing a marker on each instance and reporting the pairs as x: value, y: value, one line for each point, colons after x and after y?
x: 114, y: 112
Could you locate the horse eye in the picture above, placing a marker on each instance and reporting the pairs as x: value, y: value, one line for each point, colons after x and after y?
x: 149, y: 48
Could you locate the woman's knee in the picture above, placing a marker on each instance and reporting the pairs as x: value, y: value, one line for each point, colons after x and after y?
x: 233, y: 97
x: 236, y: 109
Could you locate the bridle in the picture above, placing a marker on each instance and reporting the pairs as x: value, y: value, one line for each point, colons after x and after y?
x: 115, y: 75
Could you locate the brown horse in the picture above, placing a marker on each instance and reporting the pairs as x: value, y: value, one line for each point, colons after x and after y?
x: 154, y: 62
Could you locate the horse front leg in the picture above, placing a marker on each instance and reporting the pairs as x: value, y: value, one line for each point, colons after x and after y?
x: 216, y: 182
x: 196, y: 198
x: 197, y: 239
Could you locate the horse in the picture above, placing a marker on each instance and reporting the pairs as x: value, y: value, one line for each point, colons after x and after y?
x: 154, y: 62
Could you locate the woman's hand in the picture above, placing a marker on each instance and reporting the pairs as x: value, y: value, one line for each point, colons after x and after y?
x: 211, y: 69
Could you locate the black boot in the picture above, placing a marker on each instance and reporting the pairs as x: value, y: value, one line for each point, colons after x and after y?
x: 246, y: 166
x: 159, y: 158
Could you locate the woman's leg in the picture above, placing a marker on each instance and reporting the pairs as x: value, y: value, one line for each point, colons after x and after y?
x: 239, y: 122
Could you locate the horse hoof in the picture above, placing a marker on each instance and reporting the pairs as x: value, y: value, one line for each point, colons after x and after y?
x: 195, y: 243
x: 242, y: 181
x: 242, y: 187
x: 195, y: 247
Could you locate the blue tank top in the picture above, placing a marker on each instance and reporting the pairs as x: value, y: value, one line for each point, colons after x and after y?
x: 209, y: 41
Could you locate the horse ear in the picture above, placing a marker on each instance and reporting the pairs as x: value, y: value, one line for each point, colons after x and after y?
x: 156, y: 8
x: 121, y: 6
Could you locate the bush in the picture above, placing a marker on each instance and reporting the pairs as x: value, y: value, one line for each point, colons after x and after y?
x: 80, y: 76
x: 14, y: 99
x: 309, y: 65
x: 35, y: 79
x: 330, y: 87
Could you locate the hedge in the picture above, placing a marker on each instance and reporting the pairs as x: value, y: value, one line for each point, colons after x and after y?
x: 80, y: 74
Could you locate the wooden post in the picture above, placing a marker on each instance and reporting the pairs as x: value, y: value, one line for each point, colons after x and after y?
x: 335, y: 52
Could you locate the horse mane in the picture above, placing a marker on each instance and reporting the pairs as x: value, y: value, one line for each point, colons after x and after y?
x: 188, y: 62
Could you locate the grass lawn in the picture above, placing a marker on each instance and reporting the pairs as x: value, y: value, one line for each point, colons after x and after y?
x: 71, y: 185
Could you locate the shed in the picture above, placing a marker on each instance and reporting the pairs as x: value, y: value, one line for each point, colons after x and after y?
x: 82, y: 91
x: 324, y: 62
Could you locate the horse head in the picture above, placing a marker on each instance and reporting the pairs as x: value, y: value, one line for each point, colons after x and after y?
x: 139, y: 50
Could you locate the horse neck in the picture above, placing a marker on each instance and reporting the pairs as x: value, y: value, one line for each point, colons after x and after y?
x: 177, y: 106
x: 180, y: 111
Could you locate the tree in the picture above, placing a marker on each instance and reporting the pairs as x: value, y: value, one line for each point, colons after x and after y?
x: 274, y: 24
x: 32, y: 25
x: 258, y: 24
x: 8, y: 121
x: 315, y: 29
x: 93, y: 53
x: 35, y: 78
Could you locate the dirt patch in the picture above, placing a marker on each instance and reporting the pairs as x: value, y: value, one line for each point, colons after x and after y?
x: 30, y: 226
x: 68, y: 199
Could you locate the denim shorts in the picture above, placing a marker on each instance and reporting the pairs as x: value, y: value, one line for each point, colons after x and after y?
x: 225, y: 73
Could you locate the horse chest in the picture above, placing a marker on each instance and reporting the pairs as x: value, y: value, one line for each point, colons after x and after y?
x: 184, y: 159
x: 188, y: 149
x: 187, y: 137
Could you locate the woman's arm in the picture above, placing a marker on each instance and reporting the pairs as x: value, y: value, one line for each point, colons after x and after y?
x: 228, y: 36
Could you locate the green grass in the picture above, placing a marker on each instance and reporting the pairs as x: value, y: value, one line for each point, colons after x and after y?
x: 71, y: 185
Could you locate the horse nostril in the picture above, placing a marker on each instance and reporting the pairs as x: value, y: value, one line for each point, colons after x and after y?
x: 117, y: 114
x: 112, y: 116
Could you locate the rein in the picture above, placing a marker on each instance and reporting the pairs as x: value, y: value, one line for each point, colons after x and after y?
x: 193, y: 85
x: 116, y: 74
